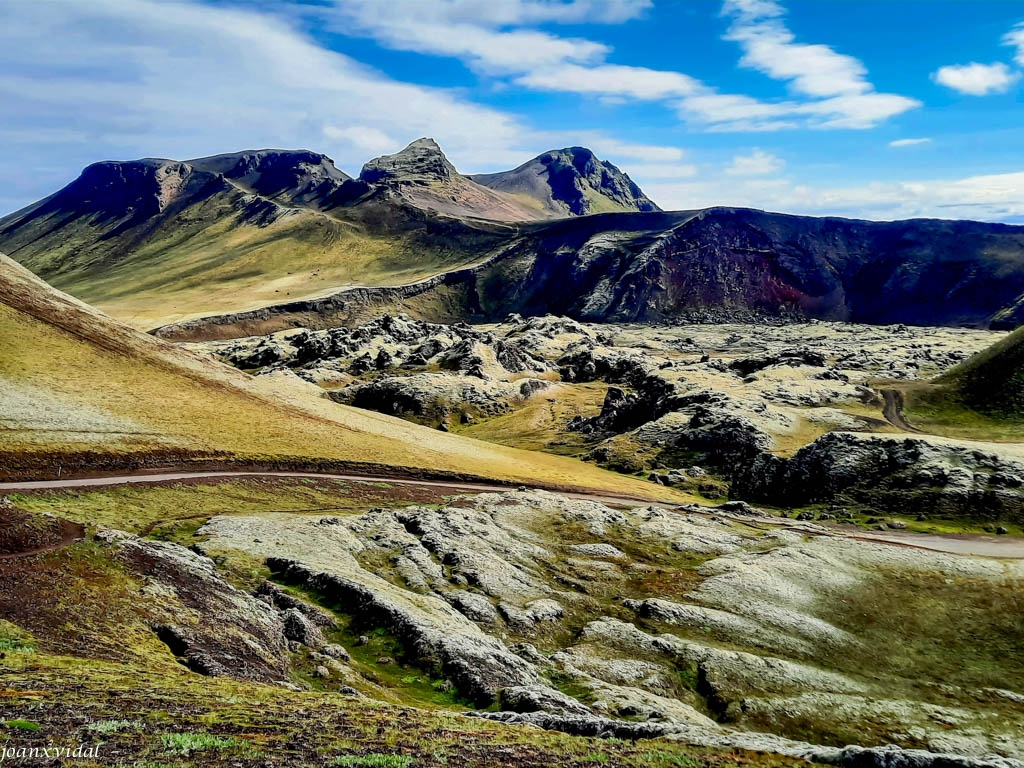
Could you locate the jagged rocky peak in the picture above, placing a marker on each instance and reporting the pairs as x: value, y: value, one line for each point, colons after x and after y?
x: 420, y: 162
x: 572, y: 181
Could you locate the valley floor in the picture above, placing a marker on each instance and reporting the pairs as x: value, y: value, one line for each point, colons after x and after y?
x: 816, y: 419
x: 817, y: 572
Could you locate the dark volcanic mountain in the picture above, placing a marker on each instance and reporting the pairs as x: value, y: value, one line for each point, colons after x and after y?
x: 271, y: 239
x: 572, y: 182
x: 719, y: 264
x: 724, y: 262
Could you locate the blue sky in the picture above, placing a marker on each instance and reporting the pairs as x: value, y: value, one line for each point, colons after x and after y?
x: 878, y: 108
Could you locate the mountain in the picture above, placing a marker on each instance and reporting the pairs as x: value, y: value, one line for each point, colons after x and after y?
x: 155, y: 241
x: 296, y: 176
x: 270, y: 239
x: 570, y: 182
x: 422, y: 176
x: 152, y: 241
x: 80, y: 390
x: 719, y: 264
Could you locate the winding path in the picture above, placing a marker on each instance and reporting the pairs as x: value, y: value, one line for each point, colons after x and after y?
x: 988, y: 546
x: 176, y: 477
x: 893, y: 411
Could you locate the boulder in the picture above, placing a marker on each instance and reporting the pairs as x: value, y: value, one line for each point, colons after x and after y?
x: 540, y: 698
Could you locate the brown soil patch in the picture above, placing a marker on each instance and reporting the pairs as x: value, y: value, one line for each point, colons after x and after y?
x: 23, y: 534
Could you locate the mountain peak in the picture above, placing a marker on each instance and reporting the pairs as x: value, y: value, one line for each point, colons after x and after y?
x: 419, y: 163
x: 571, y: 181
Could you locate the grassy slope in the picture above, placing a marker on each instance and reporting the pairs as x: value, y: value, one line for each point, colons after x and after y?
x: 207, y: 261
x: 982, y: 398
x: 992, y: 381
x: 144, y: 395
x: 539, y: 424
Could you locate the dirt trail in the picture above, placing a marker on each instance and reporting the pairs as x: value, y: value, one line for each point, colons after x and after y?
x: 893, y: 411
x: 988, y: 546
x: 1006, y: 547
x: 172, y: 477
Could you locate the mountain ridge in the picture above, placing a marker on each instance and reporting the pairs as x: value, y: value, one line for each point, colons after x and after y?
x: 422, y: 176
x: 697, y: 266
x: 266, y: 234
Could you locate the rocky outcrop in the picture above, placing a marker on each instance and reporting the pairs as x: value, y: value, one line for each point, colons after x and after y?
x: 479, y: 666
x: 419, y: 163
x: 790, y: 357
x: 387, y: 343
x: 844, y: 757
x: 429, y: 397
x: 212, y: 627
x: 540, y: 699
x: 891, y: 472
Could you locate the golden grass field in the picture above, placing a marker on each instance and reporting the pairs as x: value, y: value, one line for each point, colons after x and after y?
x: 109, y: 388
x: 229, y: 268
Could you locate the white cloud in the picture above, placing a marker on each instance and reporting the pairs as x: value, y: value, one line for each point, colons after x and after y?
x: 976, y: 79
x: 757, y: 163
x: 729, y: 112
x: 1015, y: 37
x: 478, y: 31
x: 997, y: 197
x: 608, y: 148
x: 497, y: 13
x: 770, y: 48
x: 909, y: 142
x: 830, y: 89
x: 138, y: 78
x: 612, y: 80
x: 370, y: 140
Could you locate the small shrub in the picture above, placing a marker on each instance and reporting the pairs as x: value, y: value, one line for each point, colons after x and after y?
x: 114, y: 726
x: 373, y: 761
x: 186, y: 743
x: 13, y: 639
x: 15, y: 645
